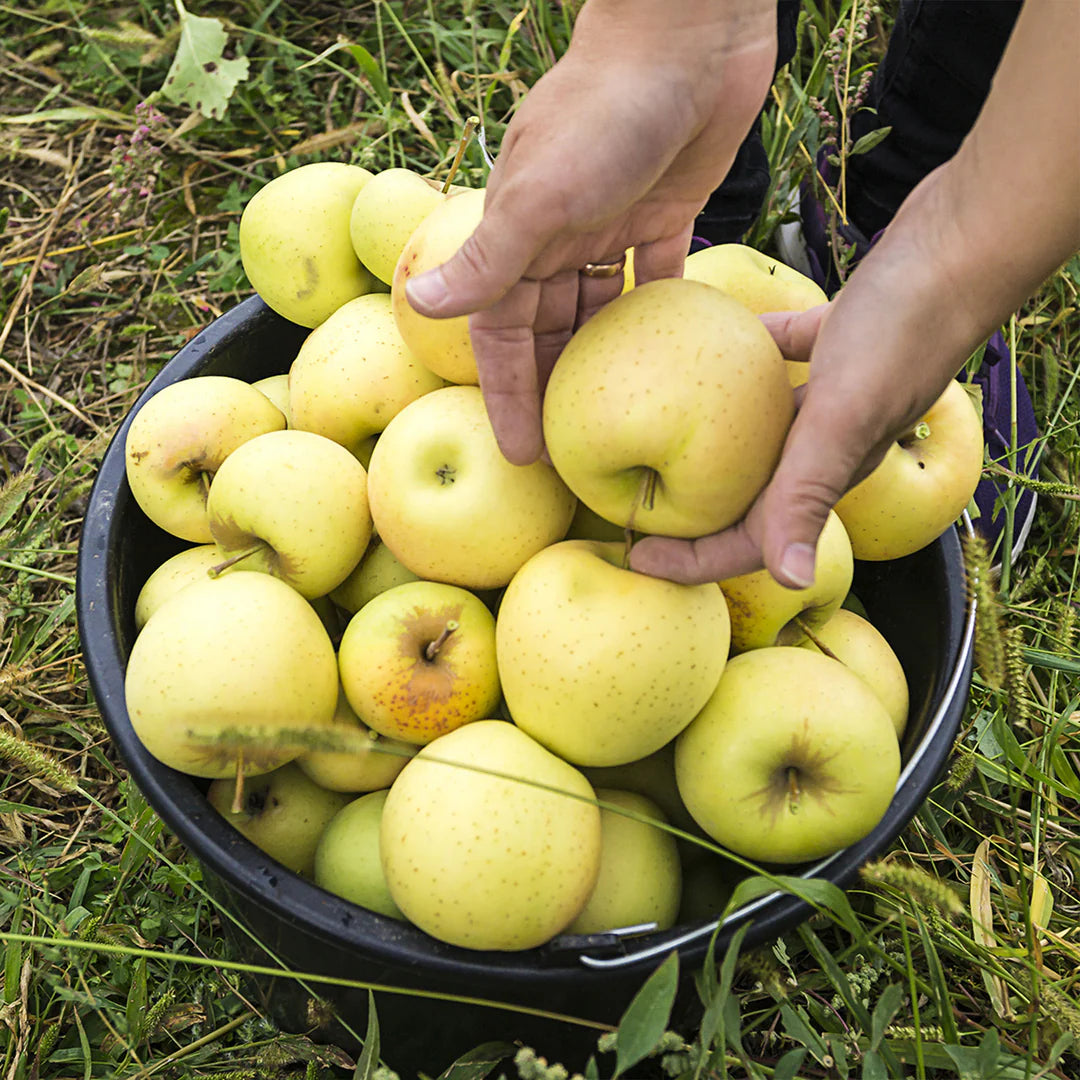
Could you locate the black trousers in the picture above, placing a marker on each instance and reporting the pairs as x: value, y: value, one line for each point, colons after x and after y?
x: 929, y: 88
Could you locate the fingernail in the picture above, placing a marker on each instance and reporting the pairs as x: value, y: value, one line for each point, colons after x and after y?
x: 797, y: 565
x: 428, y: 290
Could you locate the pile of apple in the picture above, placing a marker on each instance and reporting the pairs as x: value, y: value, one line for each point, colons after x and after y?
x: 424, y: 676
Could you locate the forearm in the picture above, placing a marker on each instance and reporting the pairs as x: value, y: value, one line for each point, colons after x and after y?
x: 994, y: 222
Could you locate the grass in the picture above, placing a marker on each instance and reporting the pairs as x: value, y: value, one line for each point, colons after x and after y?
x: 963, y: 956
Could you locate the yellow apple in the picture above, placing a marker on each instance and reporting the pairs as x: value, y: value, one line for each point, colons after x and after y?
x: 604, y: 665
x: 378, y: 570
x: 276, y: 388
x: 418, y: 661
x: 792, y: 758
x: 447, y: 503
x: 178, y: 440
x: 183, y: 569
x: 753, y: 278
x: 354, y: 373
x: 640, y: 875
x: 283, y: 813
x: 293, y: 504
x: 490, y: 861
x: 244, y: 652
x: 385, y: 214
x: 294, y: 241
x: 859, y: 645
x: 668, y: 409
x: 764, y: 612
x: 443, y: 345
x: 369, y: 769
x: 922, y: 485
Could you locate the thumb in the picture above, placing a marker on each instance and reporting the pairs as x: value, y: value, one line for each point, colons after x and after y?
x: 816, y: 469
x: 492, y: 260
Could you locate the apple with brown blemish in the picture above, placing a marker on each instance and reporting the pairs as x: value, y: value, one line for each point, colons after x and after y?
x: 293, y: 504
x: 178, y: 440
x: 792, y: 758
x: 418, y: 661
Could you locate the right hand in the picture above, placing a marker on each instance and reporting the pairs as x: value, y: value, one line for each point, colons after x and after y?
x: 618, y: 146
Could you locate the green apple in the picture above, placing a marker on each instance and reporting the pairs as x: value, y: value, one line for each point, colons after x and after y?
x: 859, y: 645
x: 178, y: 440
x: 293, y: 504
x: 603, y: 665
x: 179, y: 571
x: 385, y: 214
x: 754, y: 279
x: 347, y: 860
x: 668, y: 409
x: 283, y: 813
x: 792, y: 758
x: 921, y: 486
x: 764, y: 612
x: 449, y: 505
x: 443, y: 345
x: 244, y: 652
x: 354, y: 373
x: 489, y: 841
x: 640, y: 877
x: 373, y: 767
x: 276, y: 388
x: 418, y: 661
x: 379, y: 569
x: 294, y: 241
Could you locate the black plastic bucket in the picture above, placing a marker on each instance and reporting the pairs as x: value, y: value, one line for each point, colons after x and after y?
x: 919, y: 603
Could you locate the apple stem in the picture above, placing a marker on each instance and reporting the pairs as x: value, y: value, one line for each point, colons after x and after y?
x: 238, y: 790
x: 646, y: 496
x: 204, y: 483
x: 793, y: 783
x: 470, y: 126
x: 804, y: 627
x: 433, y: 647
x: 221, y: 567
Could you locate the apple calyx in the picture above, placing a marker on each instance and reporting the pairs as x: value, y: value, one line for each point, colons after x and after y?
x: 433, y: 647
x: 446, y: 474
x: 466, y: 134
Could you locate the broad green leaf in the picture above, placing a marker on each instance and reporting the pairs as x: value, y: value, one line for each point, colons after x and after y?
x: 873, y: 1067
x: 369, y: 1056
x: 201, y: 76
x: 817, y: 892
x: 371, y: 69
x: 796, y: 1024
x: 713, y: 1025
x: 787, y: 1067
x: 869, y: 141
x: 892, y: 997
x: 646, y: 1017
x: 136, y: 1002
x: 479, y: 1062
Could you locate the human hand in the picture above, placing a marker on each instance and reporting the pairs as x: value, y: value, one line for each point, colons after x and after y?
x: 878, y: 359
x: 618, y: 146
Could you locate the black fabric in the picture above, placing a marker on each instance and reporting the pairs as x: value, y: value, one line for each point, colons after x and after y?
x: 929, y: 88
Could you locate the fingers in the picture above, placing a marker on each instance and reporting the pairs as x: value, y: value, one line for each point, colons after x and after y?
x: 503, y: 343
x: 795, y: 331
x: 490, y: 262
x: 663, y: 258
x: 595, y: 292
